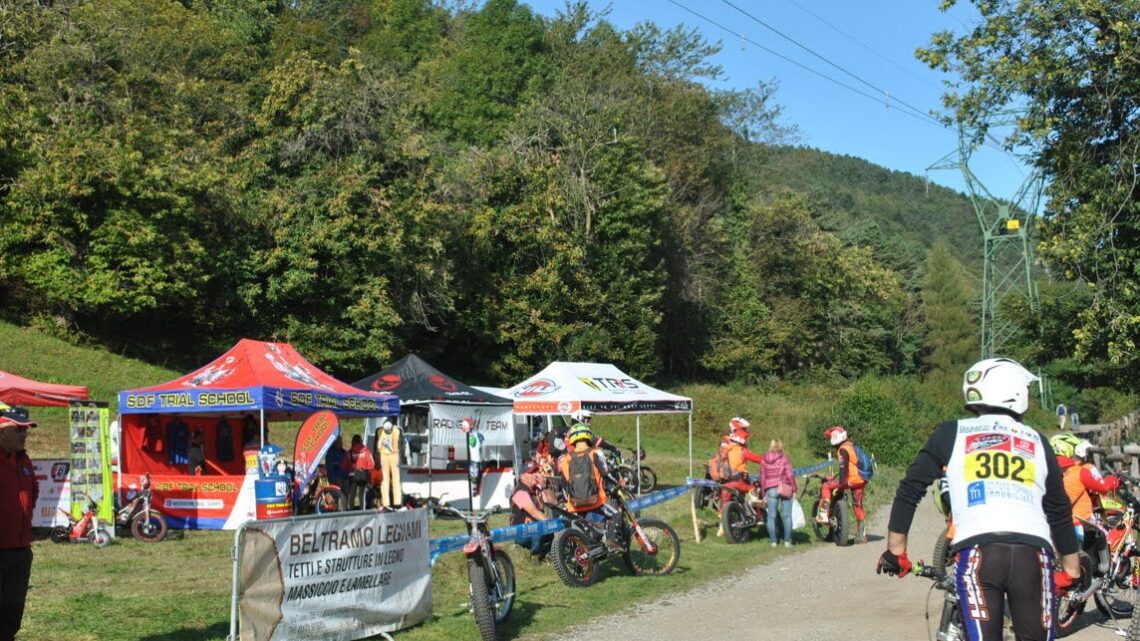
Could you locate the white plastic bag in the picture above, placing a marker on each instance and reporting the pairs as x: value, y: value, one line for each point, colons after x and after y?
x: 798, y: 520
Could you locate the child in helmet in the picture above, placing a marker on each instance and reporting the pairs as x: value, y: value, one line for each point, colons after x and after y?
x: 848, y: 478
x: 1083, y: 481
x: 584, y: 477
x: 738, y: 457
x: 586, y: 417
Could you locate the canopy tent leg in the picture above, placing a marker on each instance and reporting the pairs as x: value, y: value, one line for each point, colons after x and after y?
x: 637, y: 455
x: 694, y: 493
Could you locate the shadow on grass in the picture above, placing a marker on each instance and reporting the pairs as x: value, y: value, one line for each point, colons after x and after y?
x: 217, y: 631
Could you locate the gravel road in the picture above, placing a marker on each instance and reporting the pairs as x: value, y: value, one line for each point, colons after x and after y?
x: 813, y: 593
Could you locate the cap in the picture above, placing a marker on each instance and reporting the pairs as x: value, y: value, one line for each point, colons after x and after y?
x: 15, y: 416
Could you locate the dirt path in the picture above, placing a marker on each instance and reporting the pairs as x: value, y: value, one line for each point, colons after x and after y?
x: 815, y: 593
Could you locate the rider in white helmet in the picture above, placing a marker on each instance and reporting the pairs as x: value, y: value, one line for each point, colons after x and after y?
x: 1009, y: 505
x: 847, y: 478
x: 586, y: 417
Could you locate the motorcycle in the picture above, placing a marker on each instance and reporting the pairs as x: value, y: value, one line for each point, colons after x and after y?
x: 146, y: 523
x: 87, y: 528
x: 490, y: 572
x: 838, y: 527
x: 320, y: 496
x: 648, y: 546
x: 626, y: 468
x: 742, y: 513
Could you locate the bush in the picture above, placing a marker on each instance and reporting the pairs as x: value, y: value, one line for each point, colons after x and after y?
x: 882, y: 416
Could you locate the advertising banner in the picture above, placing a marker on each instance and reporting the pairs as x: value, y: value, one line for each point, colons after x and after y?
x: 333, y: 577
x: 493, y: 422
x: 55, y: 492
x: 90, y: 472
x: 317, y: 433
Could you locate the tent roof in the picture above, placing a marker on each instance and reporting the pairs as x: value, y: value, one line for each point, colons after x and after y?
x: 256, y: 375
x: 415, y: 381
x: 17, y: 390
x: 564, y: 387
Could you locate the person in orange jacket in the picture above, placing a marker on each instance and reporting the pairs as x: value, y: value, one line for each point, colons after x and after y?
x: 848, y: 478
x: 738, y: 457
x: 1083, y: 481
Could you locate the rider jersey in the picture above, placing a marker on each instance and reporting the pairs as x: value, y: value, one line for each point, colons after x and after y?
x: 849, y: 461
x: 1079, y: 480
x: 738, y: 456
x: 1005, y: 484
x: 996, y: 474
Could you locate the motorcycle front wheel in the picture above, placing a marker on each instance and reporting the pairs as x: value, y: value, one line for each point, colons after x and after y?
x: 735, y: 522
x: 149, y: 527
x: 662, y: 536
x: 99, y: 536
x: 480, y: 600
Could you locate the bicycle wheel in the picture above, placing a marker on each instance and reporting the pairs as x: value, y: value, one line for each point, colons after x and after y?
x: 329, y: 499
x: 503, y: 596
x: 841, y: 516
x: 480, y: 603
x: 570, y: 556
x: 941, y: 558
x: 659, y: 563
x: 735, y: 522
x: 149, y: 527
x: 648, y: 479
x: 823, y: 531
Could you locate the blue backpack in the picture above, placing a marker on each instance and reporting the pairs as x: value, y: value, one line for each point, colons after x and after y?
x: 865, y: 462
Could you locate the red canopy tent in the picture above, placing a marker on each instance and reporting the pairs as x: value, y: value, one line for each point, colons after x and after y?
x: 17, y: 390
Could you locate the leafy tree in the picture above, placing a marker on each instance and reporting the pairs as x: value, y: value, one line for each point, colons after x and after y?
x: 1073, y: 68
x: 952, y: 341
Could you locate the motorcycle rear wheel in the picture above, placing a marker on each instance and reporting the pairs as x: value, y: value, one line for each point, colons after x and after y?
x: 569, y: 554
x: 329, y: 499
x: 59, y: 534
x: 648, y: 479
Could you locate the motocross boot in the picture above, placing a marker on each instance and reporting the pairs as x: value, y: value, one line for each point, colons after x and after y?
x: 824, y: 509
x: 861, y: 532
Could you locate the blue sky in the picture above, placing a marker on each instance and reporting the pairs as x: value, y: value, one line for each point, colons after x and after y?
x: 867, y: 45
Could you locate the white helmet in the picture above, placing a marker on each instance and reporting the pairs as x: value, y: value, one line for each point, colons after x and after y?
x: 836, y: 434
x: 1081, y: 451
x: 999, y: 383
x: 738, y: 423
x: 582, y: 415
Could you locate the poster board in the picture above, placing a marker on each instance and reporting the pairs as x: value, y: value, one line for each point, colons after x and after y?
x: 90, y: 473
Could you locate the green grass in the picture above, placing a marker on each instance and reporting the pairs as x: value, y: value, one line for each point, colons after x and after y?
x: 179, y: 589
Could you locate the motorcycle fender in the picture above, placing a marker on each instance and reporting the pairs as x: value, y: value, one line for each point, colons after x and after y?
x: 471, y: 547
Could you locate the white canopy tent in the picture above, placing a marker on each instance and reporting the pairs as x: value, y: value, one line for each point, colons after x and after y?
x: 564, y: 387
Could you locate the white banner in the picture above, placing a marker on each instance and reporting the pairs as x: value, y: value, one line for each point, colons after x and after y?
x: 494, y: 422
x: 334, y: 577
x: 55, y: 492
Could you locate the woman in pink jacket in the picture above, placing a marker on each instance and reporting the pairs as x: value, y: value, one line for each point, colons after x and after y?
x: 776, y: 471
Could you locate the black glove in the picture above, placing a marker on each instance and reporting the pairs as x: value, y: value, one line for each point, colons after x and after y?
x: 894, y: 565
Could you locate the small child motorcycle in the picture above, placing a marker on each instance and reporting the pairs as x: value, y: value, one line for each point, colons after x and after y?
x: 86, y: 529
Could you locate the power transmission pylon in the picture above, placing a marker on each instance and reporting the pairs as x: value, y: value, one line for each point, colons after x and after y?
x: 1007, y: 225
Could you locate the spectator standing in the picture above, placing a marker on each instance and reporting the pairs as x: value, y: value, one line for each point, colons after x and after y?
x: 196, y: 453
x: 334, y: 462
x: 359, y: 465
x: 18, y: 494
x: 779, y: 485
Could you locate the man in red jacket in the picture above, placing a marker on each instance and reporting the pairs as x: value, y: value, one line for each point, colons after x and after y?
x: 18, y: 494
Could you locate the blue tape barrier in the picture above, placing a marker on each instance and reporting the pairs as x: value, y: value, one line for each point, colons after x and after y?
x: 447, y: 544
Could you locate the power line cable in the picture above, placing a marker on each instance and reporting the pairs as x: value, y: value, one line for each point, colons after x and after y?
x: 838, y: 67
x: 852, y: 38
x: 917, y: 114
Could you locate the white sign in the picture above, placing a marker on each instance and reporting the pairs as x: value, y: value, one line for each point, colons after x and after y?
x: 334, y: 577
x: 494, y: 422
x: 55, y: 492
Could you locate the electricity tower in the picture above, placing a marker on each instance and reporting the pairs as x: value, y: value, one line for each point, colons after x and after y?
x: 1007, y: 225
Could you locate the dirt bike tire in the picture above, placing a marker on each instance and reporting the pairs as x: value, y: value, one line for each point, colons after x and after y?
x: 99, y: 536
x: 648, y: 479
x: 506, y: 570
x: 568, y: 556
x: 661, y: 534
x: 59, y: 534
x: 823, y: 531
x: 941, y: 556
x: 329, y: 499
x: 480, y: 600
x: 731, y: 519
x: 1134, y: 628
x: 1067, y: 611
x: 842, y: 516
x: 149, y: 527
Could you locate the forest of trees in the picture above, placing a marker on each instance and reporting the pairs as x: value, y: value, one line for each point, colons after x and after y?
x: 472, y: 182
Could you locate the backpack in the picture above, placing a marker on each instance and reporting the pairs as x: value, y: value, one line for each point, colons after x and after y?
x: 865, y: 462
x: 719, y: 469
x: 582, y: 489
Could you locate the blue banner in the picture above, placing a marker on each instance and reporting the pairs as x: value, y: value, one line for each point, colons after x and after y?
x: 254, y: 398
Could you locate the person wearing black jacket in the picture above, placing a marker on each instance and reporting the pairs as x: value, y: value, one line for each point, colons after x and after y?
x: 1009, y: 506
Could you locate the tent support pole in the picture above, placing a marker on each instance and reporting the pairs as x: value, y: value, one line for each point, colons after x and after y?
x: 695, y: 491
x: 263, y: 427
x: 430, y: 461
x: 637, y: 455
